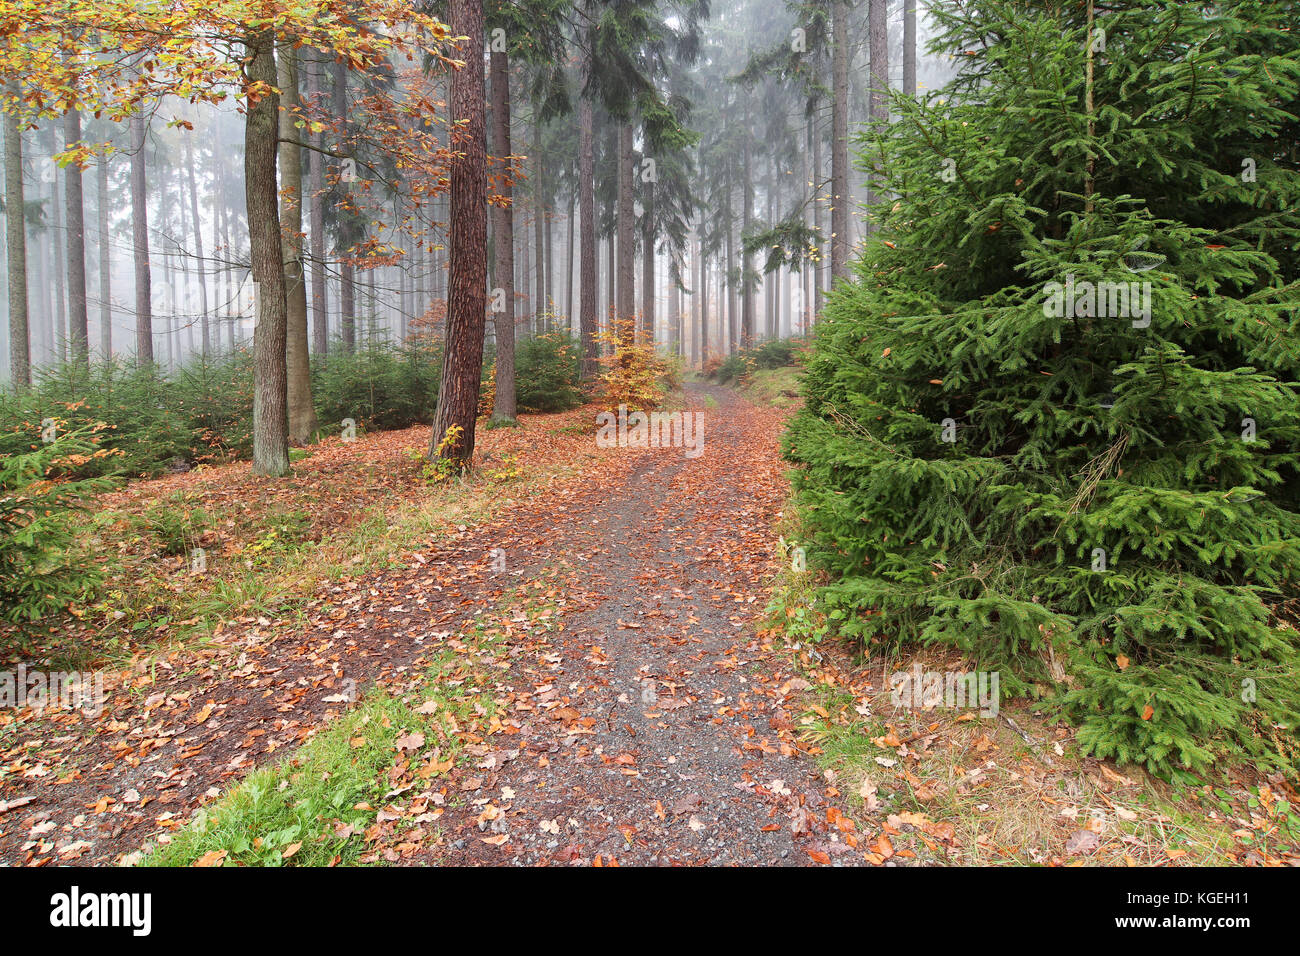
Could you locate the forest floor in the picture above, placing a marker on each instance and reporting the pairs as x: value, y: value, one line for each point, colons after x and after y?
x: 572, y: 664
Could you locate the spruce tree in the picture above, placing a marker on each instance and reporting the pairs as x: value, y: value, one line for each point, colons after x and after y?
x: 1053, y: 420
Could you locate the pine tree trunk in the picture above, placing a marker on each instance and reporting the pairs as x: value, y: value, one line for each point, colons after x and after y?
x: 467, y: 294
x: 266, y: 252
x: 697, y: 276
x: 524, y: 284
x: 316, y: 222
x: 78, y: 324
x: 909, y: 47
x: 568, y: 276
x: 20, y: 349
x: 878, y: 97
x: 840, y: 137
x: 587, y: 258
x: 206, y: 342
x: 59, y: 326
x: 704, y: 306
x: 503, y: 228
x: 747, y: 197
x: 648, y: 266
x: 302, y: 412
x: 626, y: 290
x: 548, y: 291
x: 539, y: 226
x: 105, y: 260
x: 140, y: 245
x: 347, y: 273
x: 731, y: 327
x: 819, y: 221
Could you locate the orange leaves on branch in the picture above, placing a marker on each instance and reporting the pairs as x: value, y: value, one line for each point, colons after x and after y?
x: 121, y: 56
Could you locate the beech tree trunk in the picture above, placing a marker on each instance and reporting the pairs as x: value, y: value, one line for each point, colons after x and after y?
x: 302, y: 412
x: 462, y: 365
x: 266, y: 250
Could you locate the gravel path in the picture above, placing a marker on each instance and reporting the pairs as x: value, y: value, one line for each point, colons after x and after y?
x: 674, y: 746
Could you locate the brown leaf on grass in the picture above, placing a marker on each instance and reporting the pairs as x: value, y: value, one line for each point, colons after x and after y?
x: 868, y: 794
x: 1082, y: 841
x: 412, y: 741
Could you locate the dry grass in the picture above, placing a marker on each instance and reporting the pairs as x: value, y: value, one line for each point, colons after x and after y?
x: 268, y: 544
x: 953, y: 787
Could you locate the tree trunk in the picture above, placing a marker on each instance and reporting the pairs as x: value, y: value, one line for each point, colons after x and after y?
x: 587, y: 258
x: 539, y: 225
x: 626, y: 291
x: 648, y: 266
x: 347, y: 274
x: 503, y: 230
x: 206, y: 343
x: 462, y: 365
x: 697, y: 276
x: 819, y: 218
x: 78, y: 326
x: 59, y: 326
x: 909, y: 47
x: 140, y: 245
x: 20, y: 349
x: 548, y: 291
x: 302, y: 412
x: 568, y: 276
x: 747, y: 197
x: 105, y: 261
x: 731, y: 328
x: 878, y: 98
x: 524, y: 284
x: 704, y: 306
x: 266, y: 252
x: 316, y: 221
x: 840, y: 137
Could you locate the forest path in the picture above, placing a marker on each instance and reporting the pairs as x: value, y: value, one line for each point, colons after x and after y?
x: 651, y: 728
x: 645, y: 723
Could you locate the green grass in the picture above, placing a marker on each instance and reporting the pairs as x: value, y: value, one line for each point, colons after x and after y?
x: 316, y: 805
x: 778, y: 387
